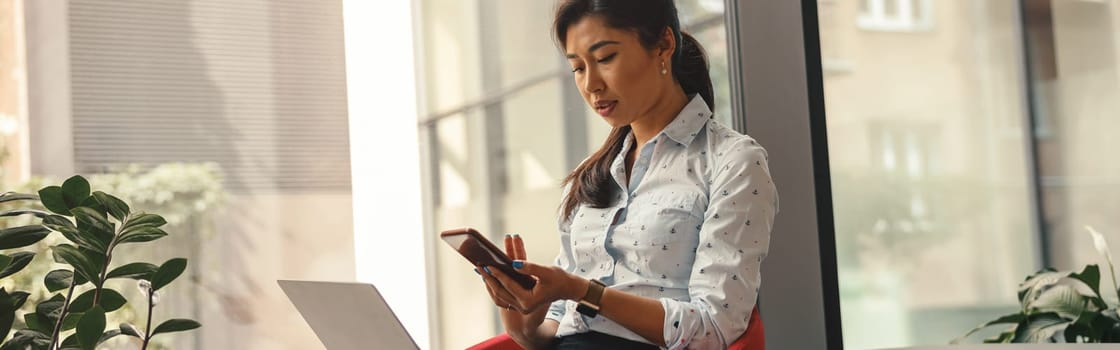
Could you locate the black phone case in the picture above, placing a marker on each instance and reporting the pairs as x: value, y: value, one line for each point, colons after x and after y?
x: 481, y: 252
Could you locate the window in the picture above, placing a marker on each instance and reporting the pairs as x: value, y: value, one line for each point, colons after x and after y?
x: 494, y: 81
x: 937, y: 155
x: 896, y: 15
x: 930, y: 182
x: 227, y: 117
x: 1077, y: 95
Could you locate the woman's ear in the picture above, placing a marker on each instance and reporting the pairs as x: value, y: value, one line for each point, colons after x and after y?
x: 667, y: 45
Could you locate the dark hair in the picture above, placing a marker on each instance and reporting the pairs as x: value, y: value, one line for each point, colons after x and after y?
x: 591, y: 181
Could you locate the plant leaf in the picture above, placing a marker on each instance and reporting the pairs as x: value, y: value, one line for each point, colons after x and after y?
x: 111, y: 300
x: 19, y: 261
x: 1090, y: 276
x: 7, y: 312
x: 168, y: 272
x: 93, y: 204
x: 80, y: 239
x: 1004, y: 337
x: 1084, y: 327
x: 142, y: 220
x: 176, y: 325
x: 17, y: 212
x: 71, y: 320
x: 1039, y: 328
x: 28, y: 339
x: 1012, y: 318
x: 71, y: 342
x: 22, y: 236
x: 1034, y: 284
x: 94, y: 225
x: 18, y: 298
x: 9, y: 303
x: 67, y: 228
x: 75, y: 190
x: 53, y: 200
x: 83, y: 266
x: 58, y: 280
x: 58, y: 220
x: 139, y: 270
x: 1063, y: 300
x: 115, y: 206
x: 130, y: 330
x: 5, y: 261
x: 109, y: 334
x: 141, y: 234
x: 90, y: 328
x: 33, y: 323
x: 49, y: 310
x: 14, y: 196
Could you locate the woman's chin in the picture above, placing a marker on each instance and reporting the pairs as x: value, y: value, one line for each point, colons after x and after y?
x: 615, y: 122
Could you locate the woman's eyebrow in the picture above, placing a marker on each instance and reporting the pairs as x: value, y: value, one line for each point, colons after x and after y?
x: 594, y: 47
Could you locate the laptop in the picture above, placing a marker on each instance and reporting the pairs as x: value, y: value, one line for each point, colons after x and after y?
x: 348, y: 316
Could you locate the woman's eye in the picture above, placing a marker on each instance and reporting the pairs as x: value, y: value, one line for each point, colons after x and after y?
x: 577, y: 69
x: 608, y: 58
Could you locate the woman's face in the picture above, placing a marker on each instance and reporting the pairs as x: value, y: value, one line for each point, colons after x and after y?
x: 616, y: 75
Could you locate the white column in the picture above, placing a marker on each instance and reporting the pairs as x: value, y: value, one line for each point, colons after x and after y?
x: 385, y: 157
x: 50, y: 130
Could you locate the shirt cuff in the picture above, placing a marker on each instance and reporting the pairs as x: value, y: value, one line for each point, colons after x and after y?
x: 556, y: 310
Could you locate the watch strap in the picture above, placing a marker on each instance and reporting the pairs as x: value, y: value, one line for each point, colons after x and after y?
x: 590, y: 304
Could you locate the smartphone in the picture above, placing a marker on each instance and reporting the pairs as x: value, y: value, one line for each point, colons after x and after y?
x: 480, y: 252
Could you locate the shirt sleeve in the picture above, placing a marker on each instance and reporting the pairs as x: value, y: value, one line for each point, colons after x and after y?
x: 564, y: 261
x: 734, y: 239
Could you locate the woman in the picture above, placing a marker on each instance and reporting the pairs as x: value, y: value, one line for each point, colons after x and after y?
x: 672, y: 214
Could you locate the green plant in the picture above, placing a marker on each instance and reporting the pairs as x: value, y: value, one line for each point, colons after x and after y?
x: 1062, y: 306
x: 94, y: 225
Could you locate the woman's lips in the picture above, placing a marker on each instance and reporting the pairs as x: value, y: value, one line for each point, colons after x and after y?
x: 605, y: 108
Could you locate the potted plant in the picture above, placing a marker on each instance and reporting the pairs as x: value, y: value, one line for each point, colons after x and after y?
x: 1063, y: 306
x: 94, y: 225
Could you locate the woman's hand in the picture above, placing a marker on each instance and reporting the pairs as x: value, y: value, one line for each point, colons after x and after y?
x: 523, y: 310
x: 553, y: 283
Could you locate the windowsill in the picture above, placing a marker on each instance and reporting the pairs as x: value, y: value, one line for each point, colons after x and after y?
x: 872, y: 24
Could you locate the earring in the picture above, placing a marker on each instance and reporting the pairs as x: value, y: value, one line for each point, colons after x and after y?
x: 664, y: 70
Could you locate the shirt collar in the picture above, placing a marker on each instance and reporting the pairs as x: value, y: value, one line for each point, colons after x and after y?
x: 688, y: 122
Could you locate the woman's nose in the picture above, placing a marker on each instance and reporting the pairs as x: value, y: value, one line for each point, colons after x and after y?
x: 592, y: 83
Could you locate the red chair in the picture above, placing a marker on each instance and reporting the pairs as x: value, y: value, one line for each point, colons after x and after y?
x: 753, y: 339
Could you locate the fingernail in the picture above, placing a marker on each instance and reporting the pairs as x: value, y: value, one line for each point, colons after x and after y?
x: 516, y: 235
x: 518, y: 264
x: 509, y: 235
x: 476, y: 271
x: 487, y: 269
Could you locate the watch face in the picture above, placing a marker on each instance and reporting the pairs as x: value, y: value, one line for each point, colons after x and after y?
x: 587, y: 309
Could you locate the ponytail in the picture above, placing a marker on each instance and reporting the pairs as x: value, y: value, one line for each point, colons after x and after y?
x: 591, y: 181
x: 691, y: 70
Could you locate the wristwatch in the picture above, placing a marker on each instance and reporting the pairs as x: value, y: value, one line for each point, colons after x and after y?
x: 589, y: 305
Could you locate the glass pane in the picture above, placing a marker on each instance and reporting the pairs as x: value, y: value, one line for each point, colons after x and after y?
x: 930, y: 181
x: 228, y: 118
x: 497, y: 170
x: 1077, y: 96
x: 12, y: 93
x: 891, y: 8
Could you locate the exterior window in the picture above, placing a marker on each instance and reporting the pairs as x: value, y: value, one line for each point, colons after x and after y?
x: 896, y: 15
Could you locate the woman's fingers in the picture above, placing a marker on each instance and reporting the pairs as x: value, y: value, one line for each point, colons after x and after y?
x: 498, y: 292
x: 525, y: 297
x: 518, y: 248
x: 510, y: 250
